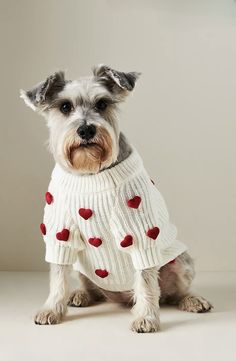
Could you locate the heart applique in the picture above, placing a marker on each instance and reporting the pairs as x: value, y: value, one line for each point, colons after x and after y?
x: 85, y: 213
x: 48, y: 198
x: 134, y: 202
x: 101, y: 273
x: 127, y: 241
x: 153, y: 232
x: 43, y: 228
x: 96, y: 242
x: 63, y: 235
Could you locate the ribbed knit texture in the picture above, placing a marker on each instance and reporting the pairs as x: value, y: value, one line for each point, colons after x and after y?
x: 94, y: 245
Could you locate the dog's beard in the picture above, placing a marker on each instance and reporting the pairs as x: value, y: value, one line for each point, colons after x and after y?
x: 89, y: 157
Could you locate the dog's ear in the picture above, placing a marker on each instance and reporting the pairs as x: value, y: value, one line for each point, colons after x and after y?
x: 115, y: 80
x: 39, y: 96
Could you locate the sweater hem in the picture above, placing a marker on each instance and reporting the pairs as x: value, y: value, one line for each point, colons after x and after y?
x: 154, y: 257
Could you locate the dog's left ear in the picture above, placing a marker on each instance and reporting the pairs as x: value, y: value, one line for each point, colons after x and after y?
x: 116, y: 80
x: 38, y: 97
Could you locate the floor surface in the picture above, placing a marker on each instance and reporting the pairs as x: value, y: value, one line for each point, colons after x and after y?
x: 101, y: 332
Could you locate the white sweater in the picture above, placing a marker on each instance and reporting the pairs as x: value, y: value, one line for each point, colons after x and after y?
x: 108, y: 225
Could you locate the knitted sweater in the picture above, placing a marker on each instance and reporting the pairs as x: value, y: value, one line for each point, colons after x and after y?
x: 109, y: 224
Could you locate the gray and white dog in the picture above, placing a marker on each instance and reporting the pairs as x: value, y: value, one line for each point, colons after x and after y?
x: 82, y: 117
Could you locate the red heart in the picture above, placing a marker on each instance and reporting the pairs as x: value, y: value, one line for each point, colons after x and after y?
x: 43, y: 228
x: 96, y: 242
x: 134, y: 202
x: 101, y: 273
x: 153, y: 232
x: 63, y: 235
x: 85, y: 213
x: 127, y: 241
x: 48, y: 198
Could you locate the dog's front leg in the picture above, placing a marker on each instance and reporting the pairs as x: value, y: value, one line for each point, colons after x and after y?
x: 56, y: 304
x: 146, y: 297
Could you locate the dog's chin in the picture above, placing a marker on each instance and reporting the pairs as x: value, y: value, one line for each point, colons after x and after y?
x: 89, y: 158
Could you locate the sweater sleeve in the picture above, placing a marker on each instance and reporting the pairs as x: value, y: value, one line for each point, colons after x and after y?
x: 61, y: 235
x: 141, y: 225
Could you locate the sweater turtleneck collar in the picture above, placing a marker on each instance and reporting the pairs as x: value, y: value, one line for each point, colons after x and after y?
x: 106, y: 179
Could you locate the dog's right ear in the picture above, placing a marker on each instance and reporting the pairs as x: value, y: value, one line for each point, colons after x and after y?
x: 40, y: 96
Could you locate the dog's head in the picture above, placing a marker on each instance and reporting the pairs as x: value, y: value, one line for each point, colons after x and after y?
x: 82, y: 116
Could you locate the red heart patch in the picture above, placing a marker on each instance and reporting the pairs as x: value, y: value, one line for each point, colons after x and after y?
x: 96, y: 242
x: 127, y: 241
x: 101, y: 273
x: 134, y: 202
x: 85, y: 213
x: 153, y: 232
x: 48, y: 198
x: 63, y: 235
x: 43, y: 228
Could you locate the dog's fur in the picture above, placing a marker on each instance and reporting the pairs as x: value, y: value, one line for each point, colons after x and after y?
x: 94, y: 101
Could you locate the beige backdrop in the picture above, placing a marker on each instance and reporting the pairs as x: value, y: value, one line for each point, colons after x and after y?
x: 181, y: 116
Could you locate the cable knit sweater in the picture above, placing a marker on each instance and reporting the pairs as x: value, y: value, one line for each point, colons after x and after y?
x: 108, y: 225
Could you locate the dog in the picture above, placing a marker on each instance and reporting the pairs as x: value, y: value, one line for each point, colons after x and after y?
x: 103, y: 215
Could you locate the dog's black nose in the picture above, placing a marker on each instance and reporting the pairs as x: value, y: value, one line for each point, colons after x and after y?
x: 86, y: 132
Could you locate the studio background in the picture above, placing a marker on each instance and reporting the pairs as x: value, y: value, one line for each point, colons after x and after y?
x: 181, y: 116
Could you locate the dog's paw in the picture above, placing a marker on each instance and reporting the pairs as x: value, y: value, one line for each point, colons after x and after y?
x: 79, y: 298
x: 146, y: 325
x: 195, y: 304
x: 47, y: 317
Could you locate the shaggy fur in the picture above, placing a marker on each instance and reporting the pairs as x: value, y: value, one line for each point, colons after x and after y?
x: 68, y: 106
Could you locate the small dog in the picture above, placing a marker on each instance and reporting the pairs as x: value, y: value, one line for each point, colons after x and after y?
x: 103, y: 215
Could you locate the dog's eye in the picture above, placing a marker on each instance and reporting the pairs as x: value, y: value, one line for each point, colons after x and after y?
x: 66, y: 107
x: 101, y: 104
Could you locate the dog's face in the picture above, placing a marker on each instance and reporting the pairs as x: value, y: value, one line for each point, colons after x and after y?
x: 82, y: 116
